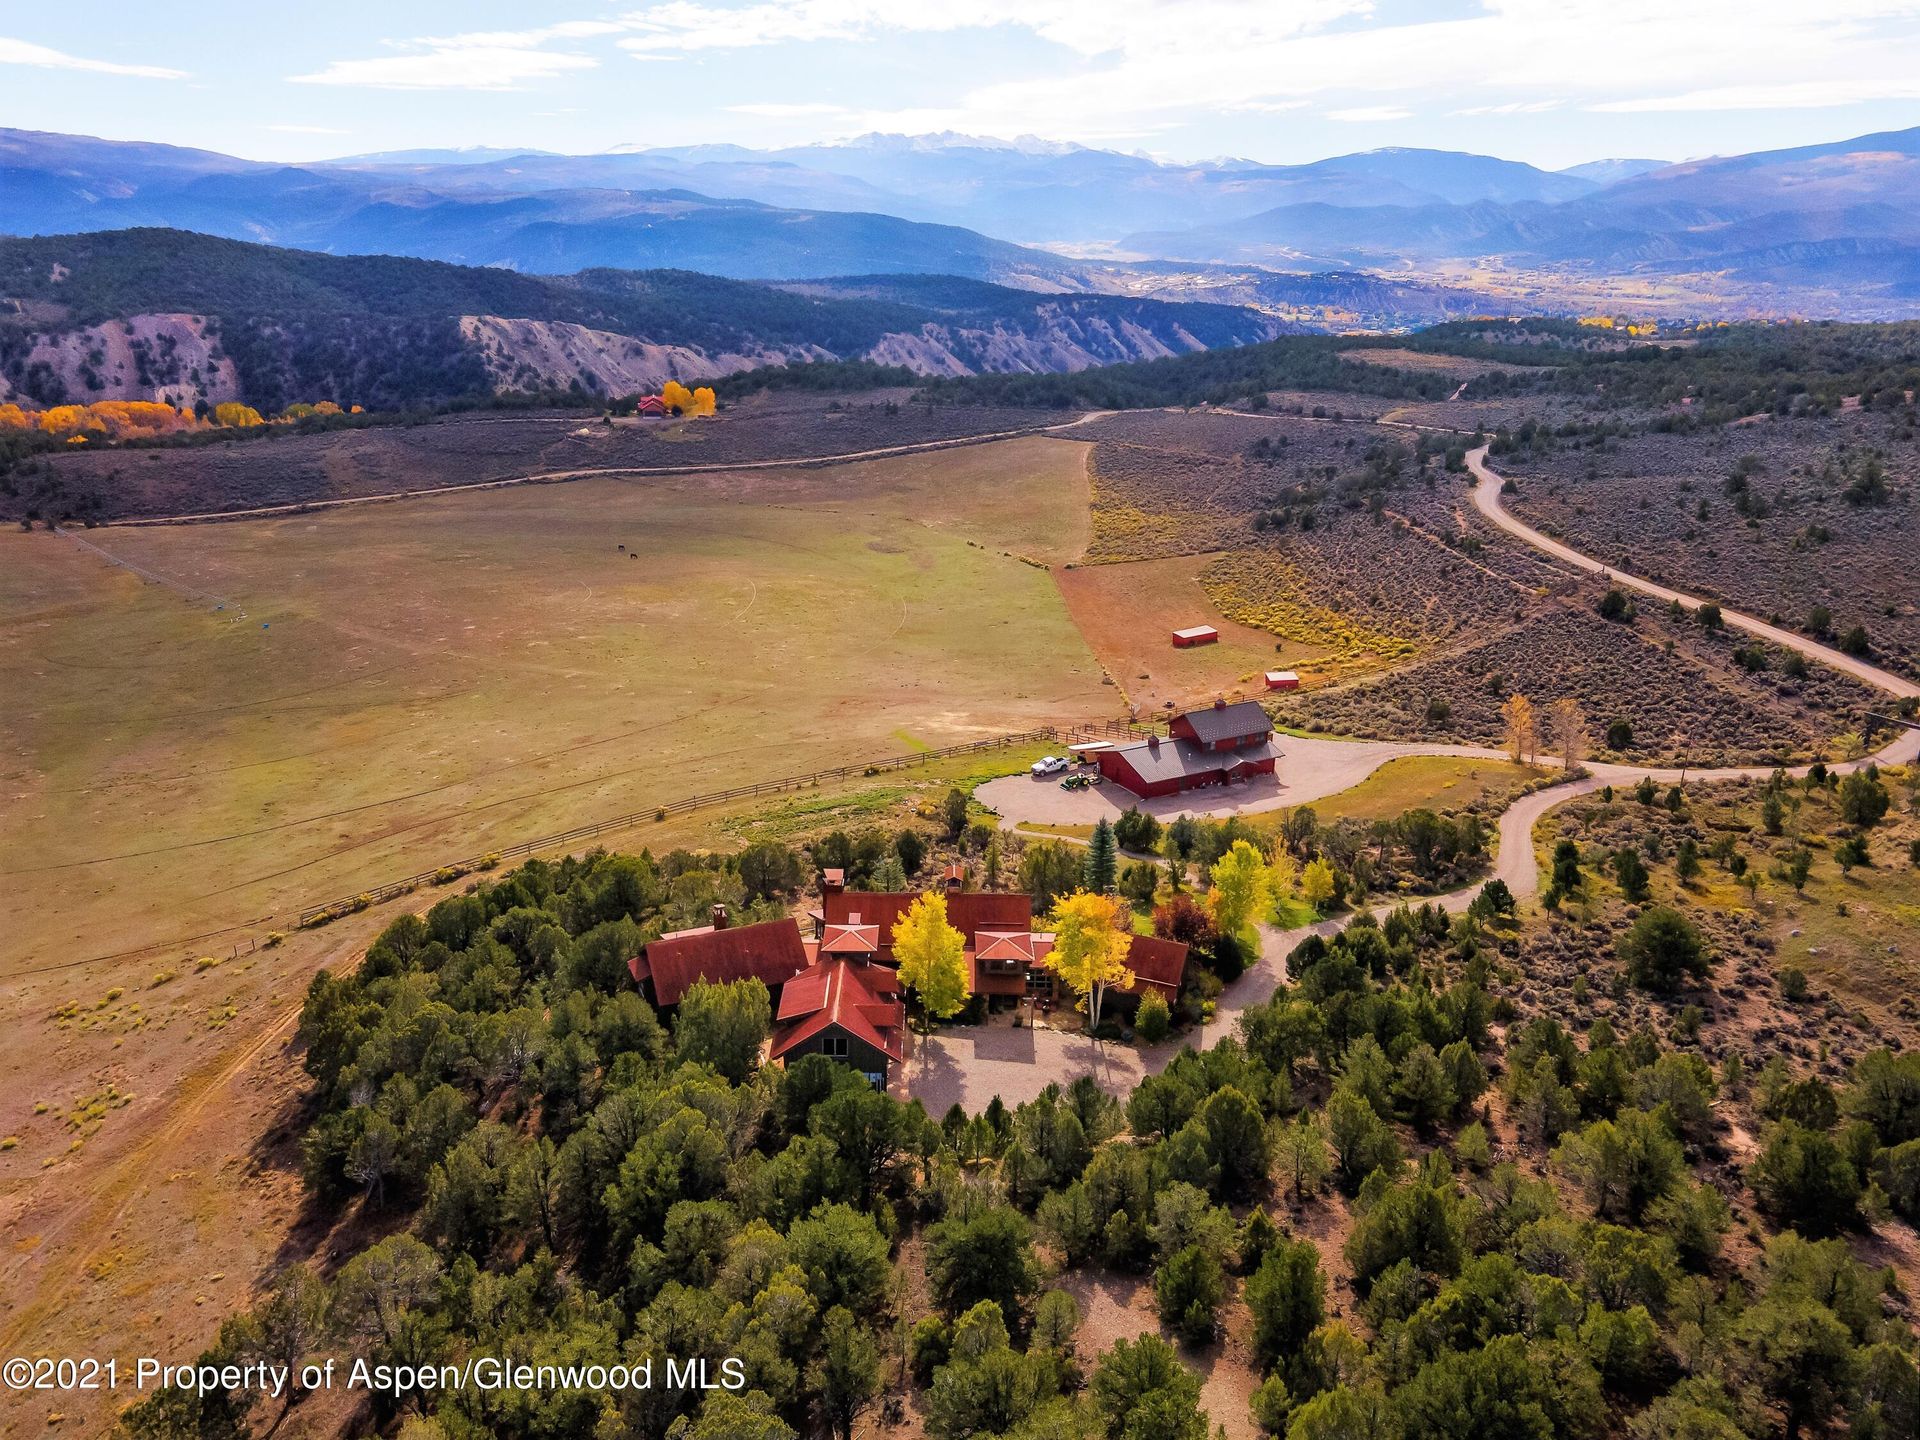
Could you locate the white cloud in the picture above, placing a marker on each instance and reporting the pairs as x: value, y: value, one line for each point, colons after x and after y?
x: 306, y: 130
x: 1135, y: 66
x: 482, y: 60
x: 21, y: 52
x: 1107, y: 70
x: 1801, y: 95
x: 1265, y: 107
x: 1513, y: 107
x: 775, y: 110
x: 1369, y: 114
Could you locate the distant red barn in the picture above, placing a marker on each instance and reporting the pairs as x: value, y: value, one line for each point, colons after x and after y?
x: 650, y: 405
x: 1195, y: 635
x: 1283, y: 680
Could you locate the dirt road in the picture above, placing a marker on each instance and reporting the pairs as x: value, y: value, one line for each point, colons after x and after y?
x: 1486, y: 499
x: 552, y: 477
x: 971, y: 1067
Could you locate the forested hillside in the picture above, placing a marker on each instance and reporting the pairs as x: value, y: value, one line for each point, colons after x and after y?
x: 1421, y: 1211
x: 280, y: 326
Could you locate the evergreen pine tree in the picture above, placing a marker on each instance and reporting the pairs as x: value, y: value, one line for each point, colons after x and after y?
x: 1103, y: 859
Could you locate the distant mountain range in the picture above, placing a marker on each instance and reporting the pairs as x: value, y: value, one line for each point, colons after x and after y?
x: 1841, y: 218
x: 1828, y: 229
x: 164, y: 314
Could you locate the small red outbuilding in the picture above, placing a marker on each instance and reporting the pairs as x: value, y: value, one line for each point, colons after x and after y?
x: 1195, y: 635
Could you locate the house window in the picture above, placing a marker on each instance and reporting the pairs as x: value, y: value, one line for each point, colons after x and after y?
x: 834, y: 1046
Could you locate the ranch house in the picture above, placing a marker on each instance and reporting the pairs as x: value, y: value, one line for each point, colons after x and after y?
x: 846, y: 1010
x: 1215, y: 746
x: 842, y: 1006
x: 1005, y: 955
x: 772, y: 953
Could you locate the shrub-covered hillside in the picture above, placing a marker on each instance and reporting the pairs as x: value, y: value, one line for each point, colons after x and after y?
x: 1408, y: 1214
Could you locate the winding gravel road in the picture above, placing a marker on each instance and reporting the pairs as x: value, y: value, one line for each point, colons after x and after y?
x: 969, y: 1066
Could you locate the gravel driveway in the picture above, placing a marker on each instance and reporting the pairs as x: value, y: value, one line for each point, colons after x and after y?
x: 1310, y: 768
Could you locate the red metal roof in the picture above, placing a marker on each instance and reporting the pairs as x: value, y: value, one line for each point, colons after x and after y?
x: 1156, y: 964
x: 1242, y: 720
x: 770, y: 952
x: 969, y: 912
x: 861, y: 999
x: 1003, y: 945
x: 850, y: 940
x: 804, y: 994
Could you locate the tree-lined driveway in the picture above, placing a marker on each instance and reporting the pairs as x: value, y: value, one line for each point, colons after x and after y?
x: 968, y: 1066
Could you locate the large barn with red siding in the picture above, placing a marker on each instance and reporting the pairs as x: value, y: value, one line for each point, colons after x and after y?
x: 1216, y: 746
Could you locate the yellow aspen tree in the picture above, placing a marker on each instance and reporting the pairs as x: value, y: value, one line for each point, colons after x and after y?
x: 1317, y: 884
x: 676, y: 397
x: 1523, y: 729
x: 1282, y: 872
x: 1241, y: 888
x: 703, y: 401
x: 932, y: 957
x: 1091, y: 937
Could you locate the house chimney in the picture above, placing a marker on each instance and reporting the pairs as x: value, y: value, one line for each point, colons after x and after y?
x: 1153, y: 743
x: 1219, y: 702
x: 833, y: 881
x: 719, y: 917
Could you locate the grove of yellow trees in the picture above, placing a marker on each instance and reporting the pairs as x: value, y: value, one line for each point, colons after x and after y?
x: 682, y: 401
x: 106, y: 419
x: 143, y: 419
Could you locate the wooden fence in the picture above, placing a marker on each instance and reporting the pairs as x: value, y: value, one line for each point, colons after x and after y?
x: 565, y: 840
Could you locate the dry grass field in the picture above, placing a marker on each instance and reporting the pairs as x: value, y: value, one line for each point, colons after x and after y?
x: 1128, y: 612
x: 286, y: 710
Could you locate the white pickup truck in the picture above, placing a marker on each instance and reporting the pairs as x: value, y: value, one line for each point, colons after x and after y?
x: 1049, y: 765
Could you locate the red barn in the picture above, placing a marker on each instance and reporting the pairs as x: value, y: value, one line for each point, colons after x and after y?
x: 650, y: 405
x: 1216, y: 746
x: 1194, y: 635
x: 1283, y: 680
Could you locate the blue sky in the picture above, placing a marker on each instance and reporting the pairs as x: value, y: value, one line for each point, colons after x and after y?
x: 1553, y: 82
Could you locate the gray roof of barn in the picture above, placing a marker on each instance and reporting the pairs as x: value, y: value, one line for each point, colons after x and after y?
x: 1171, y: 759
x: 1226, y: 722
